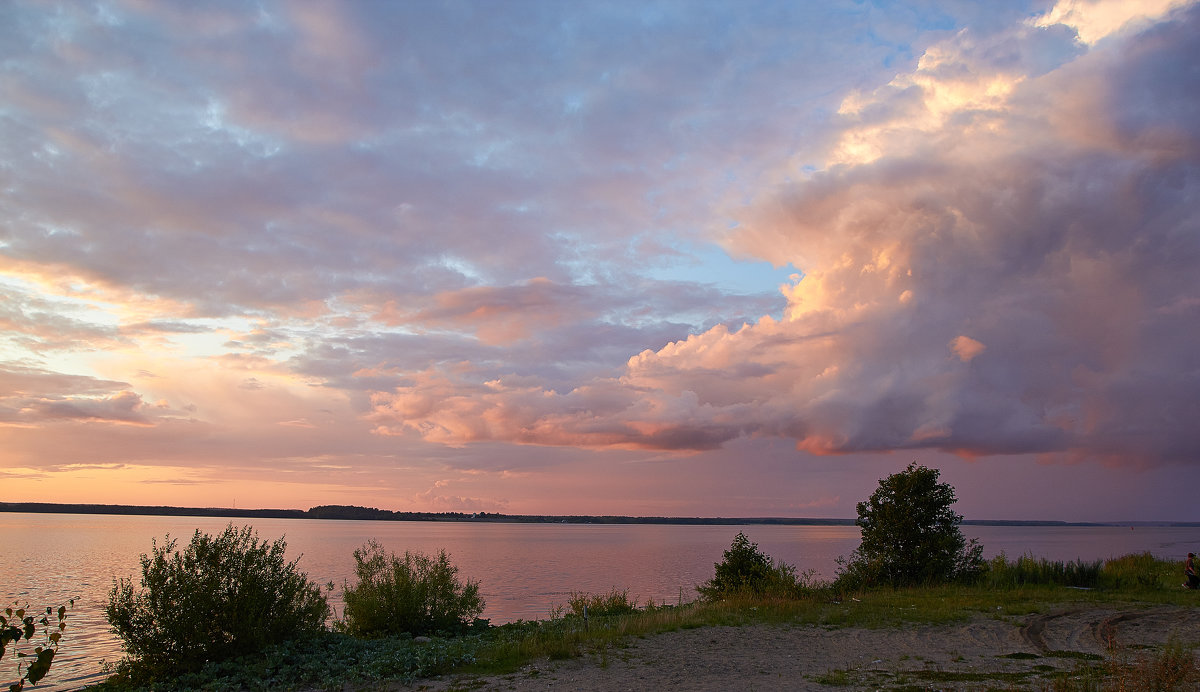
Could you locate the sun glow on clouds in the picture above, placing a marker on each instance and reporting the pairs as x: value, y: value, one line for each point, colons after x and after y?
x: 1097, y: 19
x: 900, y: 256
x: 374, y: 254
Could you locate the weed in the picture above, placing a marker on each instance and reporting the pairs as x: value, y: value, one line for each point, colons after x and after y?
x: 414, y: 594
x: 615, y: 602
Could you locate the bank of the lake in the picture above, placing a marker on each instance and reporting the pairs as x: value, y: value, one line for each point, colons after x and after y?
x: 947, y: 637
x: 524, y: 569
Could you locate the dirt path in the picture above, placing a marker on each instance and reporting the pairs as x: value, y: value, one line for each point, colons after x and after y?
x: 1010, y: 653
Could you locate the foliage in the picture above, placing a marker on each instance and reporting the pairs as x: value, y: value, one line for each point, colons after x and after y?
x: 219, y: 597
x: 1171, y: 668
x: 414, y: 594
x: 1000, y: 573
x: 910, y: 535
x: 744, y: 568
x: 336, y: 661
x: 325, y: 660
x: 1142, y: 571
x: 20, y: 623
x: 584, y: 604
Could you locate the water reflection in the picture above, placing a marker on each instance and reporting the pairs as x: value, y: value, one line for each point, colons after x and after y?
x: 524, y: 569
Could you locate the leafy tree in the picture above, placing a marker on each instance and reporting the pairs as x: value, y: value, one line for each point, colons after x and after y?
x: 219, y: 597
x: 416, y: 593
x: 910, y: 535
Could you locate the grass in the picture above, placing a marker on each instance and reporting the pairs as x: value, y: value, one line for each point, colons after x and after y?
x: 334, y: 660
x: 1172, y: 668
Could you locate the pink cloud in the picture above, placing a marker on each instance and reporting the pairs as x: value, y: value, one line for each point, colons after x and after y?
x: 498, y: 315
x: 1071, y: 260
x: 966, y: 348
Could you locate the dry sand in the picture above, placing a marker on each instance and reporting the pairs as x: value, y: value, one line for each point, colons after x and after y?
x: 973, y: 655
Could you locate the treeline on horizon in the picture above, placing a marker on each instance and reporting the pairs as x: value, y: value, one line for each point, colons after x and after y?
x: 354, y: 512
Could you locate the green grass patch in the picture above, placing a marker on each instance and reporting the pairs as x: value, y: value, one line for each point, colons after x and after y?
x: 1080, y: 655
x: 968, y: 676
x: 333, y: 660
x: 836, y: 678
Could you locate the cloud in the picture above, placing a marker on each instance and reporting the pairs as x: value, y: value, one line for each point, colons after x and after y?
x: 1096, y: 19
x: 32, y: 396
x: 966, y: 348
x: 499, y: 315
x: 236, y: 239
x: 437, y: 500
x: 1067, y: 248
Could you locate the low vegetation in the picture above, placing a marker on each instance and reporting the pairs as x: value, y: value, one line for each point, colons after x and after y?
x: 332, y: 659
x: 582, y: 604
x: 1141, y: 571
x: 411, y: 616
x: 22, y: 623
x: 415, y: 594
x: 219, y: 597
x: 745, y: 570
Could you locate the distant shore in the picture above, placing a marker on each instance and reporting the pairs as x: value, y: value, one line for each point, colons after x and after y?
x: 350, y: 512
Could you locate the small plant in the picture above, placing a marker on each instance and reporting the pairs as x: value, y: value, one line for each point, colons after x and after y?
x: 1171, y: 668
x: 615, y: 602
x: 19, y: 623
x: 746, y: 569
x: 414, y: 594
x: 219, y: 597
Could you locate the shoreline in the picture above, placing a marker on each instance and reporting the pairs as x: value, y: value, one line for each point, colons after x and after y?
x: 986, y: 651
x: 353, y: 513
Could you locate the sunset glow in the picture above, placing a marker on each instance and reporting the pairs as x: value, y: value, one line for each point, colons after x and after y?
x: 690, y: 259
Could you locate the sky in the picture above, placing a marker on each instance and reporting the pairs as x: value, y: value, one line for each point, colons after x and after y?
x: 649, y: 258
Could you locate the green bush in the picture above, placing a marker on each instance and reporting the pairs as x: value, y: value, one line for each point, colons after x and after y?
x: 1141, y: 571
x: 414, y: 594
x: 219, y: 597
x: 910, y: 535
x: 746, y: 569
x: 615, y: 602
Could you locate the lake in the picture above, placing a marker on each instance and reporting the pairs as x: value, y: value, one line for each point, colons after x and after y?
x: 524, y: 570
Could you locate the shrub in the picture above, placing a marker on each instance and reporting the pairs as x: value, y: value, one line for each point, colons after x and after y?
x: 910, y: 535
x: 17, y: 623
x: 219, y: 597
x: 746, y: 569
x: 1000, y: 573
x: 416, y: 594
x: 598, y: 605
x: 1140, y: 570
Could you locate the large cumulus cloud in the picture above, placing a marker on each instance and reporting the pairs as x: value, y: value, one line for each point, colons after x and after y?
x: 1009, y: 271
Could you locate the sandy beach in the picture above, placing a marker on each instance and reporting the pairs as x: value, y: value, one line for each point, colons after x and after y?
x: 986, y: 652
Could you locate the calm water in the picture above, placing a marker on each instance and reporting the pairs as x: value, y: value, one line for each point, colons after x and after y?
x: 524, y: 569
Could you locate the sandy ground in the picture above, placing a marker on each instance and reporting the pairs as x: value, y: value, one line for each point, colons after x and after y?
x: 974, y: 655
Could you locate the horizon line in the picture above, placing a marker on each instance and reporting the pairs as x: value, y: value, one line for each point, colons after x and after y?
x: 357, y: 513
